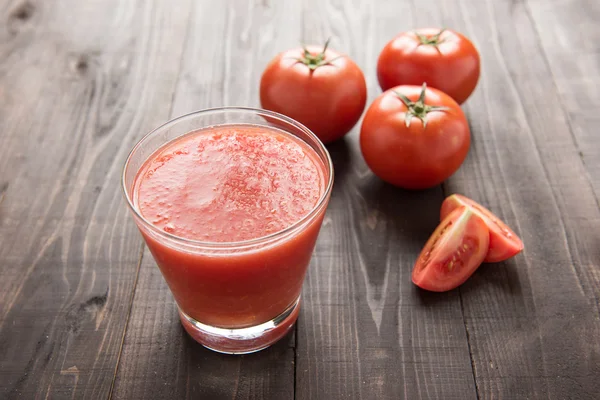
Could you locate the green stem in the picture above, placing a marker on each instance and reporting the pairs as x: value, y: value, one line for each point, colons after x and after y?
x: 314, y: 61
x: 430, y: 40
x: 418, y: 109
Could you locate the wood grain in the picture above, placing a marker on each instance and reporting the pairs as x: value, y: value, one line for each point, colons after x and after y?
x: 85, y: 312
x: 366, y: 332
x: 159, y: 360
x: 533, y: 321
x: 80, y: 82
x: 564, y: 29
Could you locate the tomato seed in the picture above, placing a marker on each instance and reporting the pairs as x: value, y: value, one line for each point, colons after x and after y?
x: 448, y: 225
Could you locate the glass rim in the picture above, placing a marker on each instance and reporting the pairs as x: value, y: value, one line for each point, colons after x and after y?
x: 243, y: 243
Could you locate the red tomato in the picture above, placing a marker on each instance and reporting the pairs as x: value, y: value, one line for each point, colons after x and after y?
x: 319, y: 88
x: 414, y: 137
x: 504, y: 243
x: 453, y: 252
x: 445, y: 59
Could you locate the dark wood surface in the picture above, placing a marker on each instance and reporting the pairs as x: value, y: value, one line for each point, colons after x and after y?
x: 85, y: 313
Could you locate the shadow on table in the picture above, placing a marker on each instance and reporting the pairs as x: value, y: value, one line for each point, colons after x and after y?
x: 488, y: 278
x: 387, y: 219
x: 500, y: 277
x: 410, y: 217
x: 215, y: 375
x: 503, y: 276
x: 340, y: 152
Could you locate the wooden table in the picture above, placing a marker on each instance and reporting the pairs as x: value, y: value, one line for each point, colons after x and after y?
x: 85, y: 313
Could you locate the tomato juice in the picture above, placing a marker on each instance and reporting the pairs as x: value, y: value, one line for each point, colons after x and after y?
x: 221, y: 189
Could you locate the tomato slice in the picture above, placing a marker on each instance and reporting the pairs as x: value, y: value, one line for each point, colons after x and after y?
x: 453, y: 252
x: 504, y: 243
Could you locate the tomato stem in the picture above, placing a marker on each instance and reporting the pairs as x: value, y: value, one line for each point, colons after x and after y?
x: 314, y: 61
x: 418, y: 108
x: 430, y: 40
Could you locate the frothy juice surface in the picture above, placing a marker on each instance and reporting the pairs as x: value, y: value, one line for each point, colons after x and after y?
x: 232, y: 183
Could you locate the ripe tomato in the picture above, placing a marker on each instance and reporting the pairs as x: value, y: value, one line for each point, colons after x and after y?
x: 453, y: 252
x: 319, y: 88
x: 414, y: 137
x: 445, y: 59
x: 504, y: 243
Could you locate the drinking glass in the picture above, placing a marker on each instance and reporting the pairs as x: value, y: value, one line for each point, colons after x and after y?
x: 233, y: 297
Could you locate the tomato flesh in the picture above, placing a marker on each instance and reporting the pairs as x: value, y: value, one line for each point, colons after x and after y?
x: 504, y: 243
x: 453, y: 252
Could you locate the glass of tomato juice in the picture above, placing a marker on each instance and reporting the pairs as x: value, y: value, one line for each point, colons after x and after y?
x: 230, y: 202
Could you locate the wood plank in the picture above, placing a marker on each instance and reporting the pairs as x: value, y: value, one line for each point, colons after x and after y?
x: 565, y: 29
x: 79, y: 83
x: 159, y: 360
x: 365, y: 331
x: 69, y: 256
x: 533, y: 321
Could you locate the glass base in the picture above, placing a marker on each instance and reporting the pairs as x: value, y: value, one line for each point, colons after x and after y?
x: 243, y: 340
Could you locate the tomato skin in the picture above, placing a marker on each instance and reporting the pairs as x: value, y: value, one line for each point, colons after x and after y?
x: 414, y: 157
x: 453, y: 67
x: 504, y: 243
x: 453, y: 252
x: 329, y: 100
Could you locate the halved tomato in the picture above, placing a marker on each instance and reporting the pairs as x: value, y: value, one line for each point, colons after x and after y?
x: 453, y: 252
x: 504, y: 243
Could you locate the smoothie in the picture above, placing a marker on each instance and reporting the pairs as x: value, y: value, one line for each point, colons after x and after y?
x: 224, y: 184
